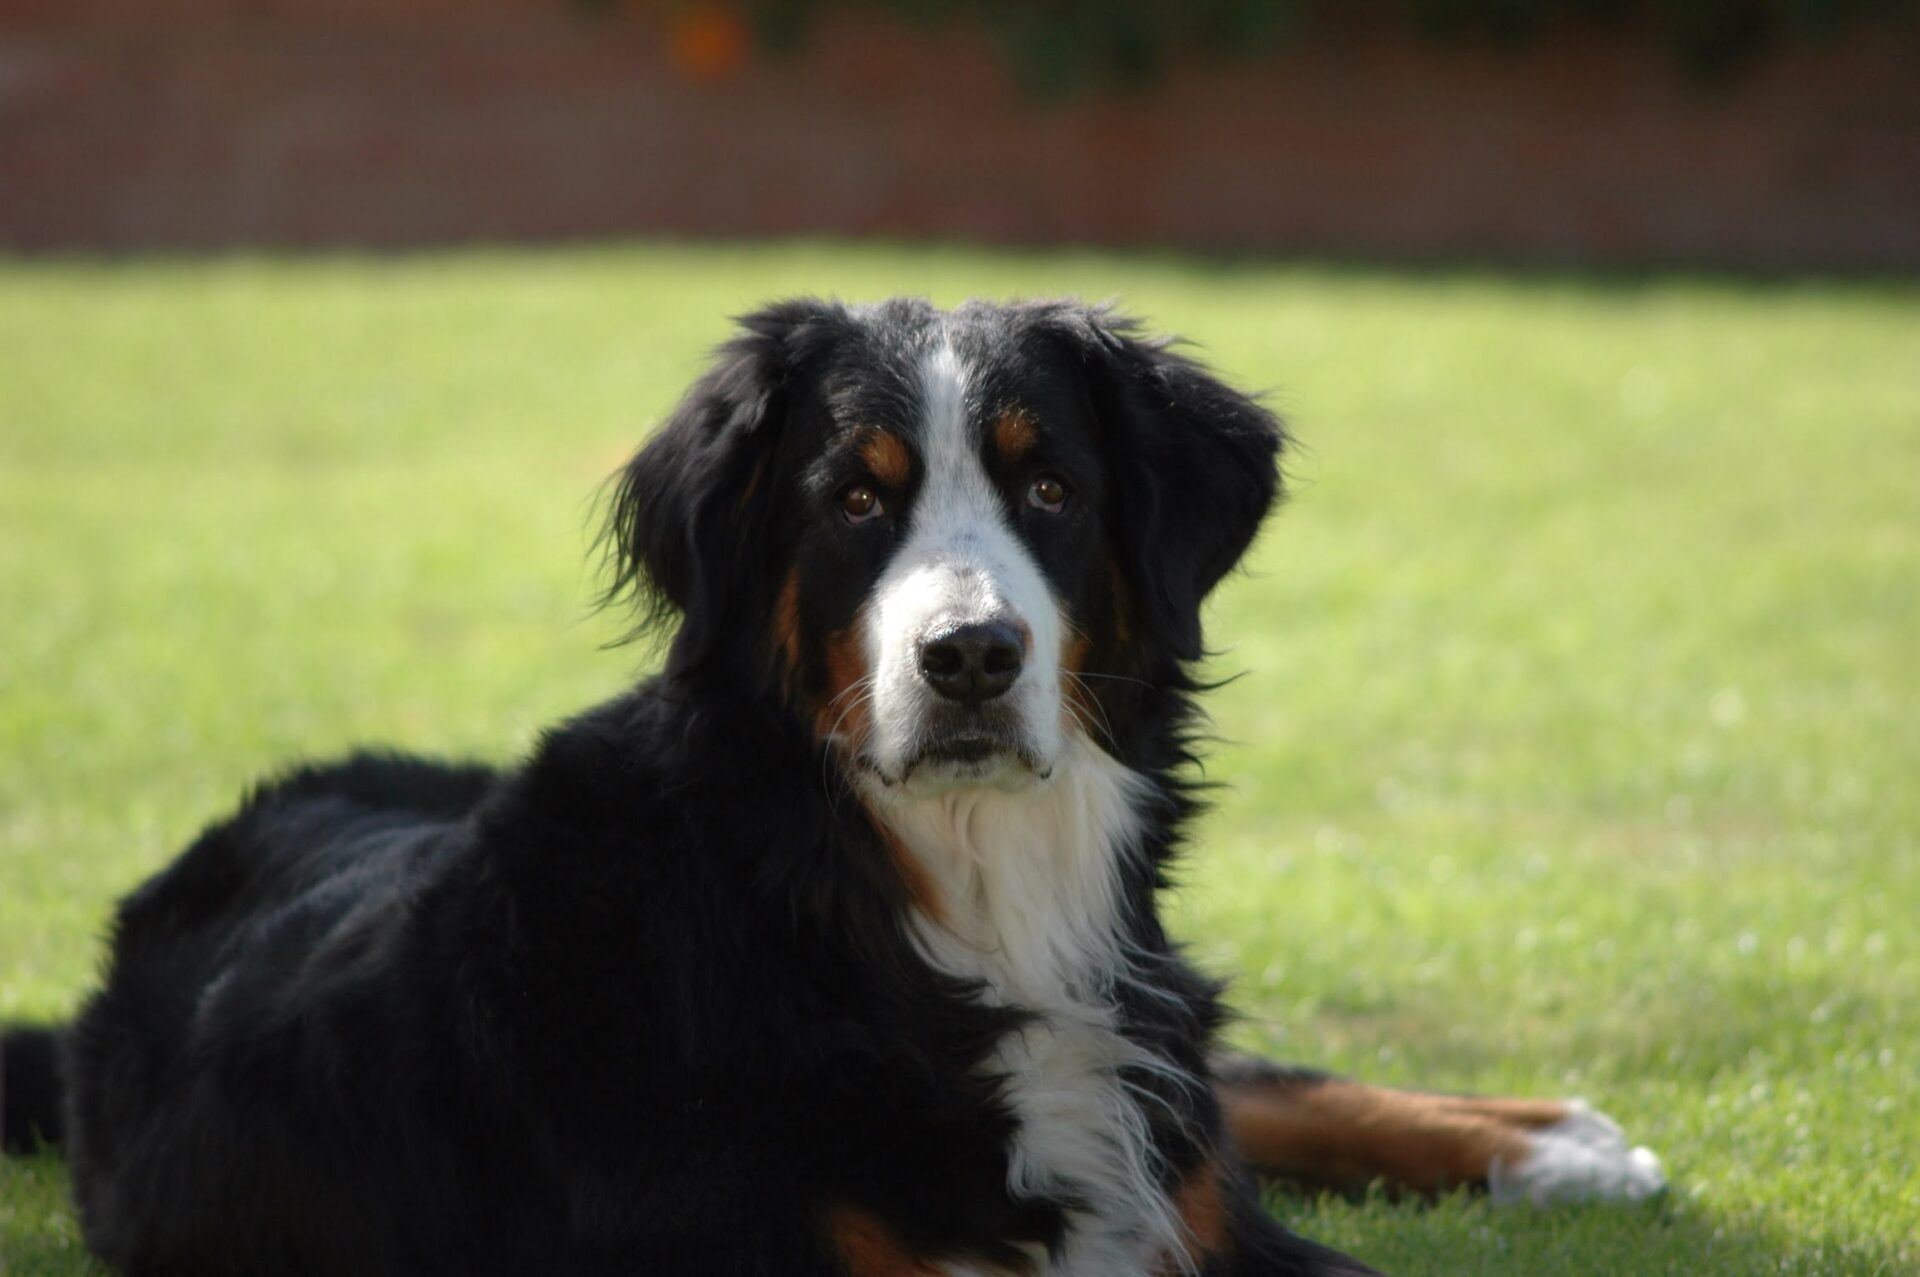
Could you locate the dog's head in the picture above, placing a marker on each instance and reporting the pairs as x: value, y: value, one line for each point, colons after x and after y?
x: 948, y: 540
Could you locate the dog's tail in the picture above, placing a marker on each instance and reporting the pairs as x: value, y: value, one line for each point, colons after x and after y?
x: 32, y: 1111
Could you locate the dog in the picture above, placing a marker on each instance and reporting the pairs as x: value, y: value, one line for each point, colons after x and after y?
x: 831, y: 949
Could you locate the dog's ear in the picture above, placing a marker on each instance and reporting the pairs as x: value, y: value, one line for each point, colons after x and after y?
x: 687, y: 529
x: 1196, y: 467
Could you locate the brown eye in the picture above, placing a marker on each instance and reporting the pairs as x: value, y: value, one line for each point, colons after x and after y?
x: 1047, y: 493
x: 860, y: 503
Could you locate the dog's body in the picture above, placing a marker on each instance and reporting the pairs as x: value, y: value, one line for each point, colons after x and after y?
x: 832, y: 949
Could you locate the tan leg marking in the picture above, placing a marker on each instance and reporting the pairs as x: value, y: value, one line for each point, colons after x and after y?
x: 1529, y: 1115
x: 1345, y: 1135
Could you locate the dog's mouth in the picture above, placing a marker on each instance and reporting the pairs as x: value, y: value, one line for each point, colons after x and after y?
x: 963, y: 749
x: 969, y: 756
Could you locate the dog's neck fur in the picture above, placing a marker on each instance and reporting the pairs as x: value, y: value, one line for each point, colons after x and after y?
x: 1028, y: 892
x: 1027, y: 881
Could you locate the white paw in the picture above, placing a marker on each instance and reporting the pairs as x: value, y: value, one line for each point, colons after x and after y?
x: 1584, y: 1157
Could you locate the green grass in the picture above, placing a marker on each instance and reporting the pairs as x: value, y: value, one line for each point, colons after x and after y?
x: 1577, y: 751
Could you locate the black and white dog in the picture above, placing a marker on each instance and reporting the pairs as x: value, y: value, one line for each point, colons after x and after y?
x: 832, y: 949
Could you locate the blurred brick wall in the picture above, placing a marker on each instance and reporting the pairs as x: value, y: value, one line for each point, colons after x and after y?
x: 141, y: 123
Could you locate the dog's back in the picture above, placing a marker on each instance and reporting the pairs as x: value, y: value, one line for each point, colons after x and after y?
x: 211, y: 986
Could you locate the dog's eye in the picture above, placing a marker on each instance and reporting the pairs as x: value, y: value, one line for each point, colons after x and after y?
x: 860, y: 503
x: 1047, y: 493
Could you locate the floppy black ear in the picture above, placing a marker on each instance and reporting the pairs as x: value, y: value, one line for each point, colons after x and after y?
x: 1198, y: 469
x: 687, y: 529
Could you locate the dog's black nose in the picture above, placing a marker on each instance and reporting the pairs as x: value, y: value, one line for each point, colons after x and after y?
x: 972, y: 663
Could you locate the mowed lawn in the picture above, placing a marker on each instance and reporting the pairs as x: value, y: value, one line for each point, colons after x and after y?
x: 1576, y: 748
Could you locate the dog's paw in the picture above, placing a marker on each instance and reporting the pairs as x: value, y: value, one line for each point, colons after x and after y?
x: 1584, y: 1157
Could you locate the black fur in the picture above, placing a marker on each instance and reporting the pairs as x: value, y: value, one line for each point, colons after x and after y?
x: 30, y: 1109
x: 647, y: 1003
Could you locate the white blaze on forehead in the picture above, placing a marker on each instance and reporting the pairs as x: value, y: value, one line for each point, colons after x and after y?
x: 961, y: 563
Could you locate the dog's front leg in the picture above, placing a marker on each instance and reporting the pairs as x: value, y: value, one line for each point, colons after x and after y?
x: 1325, y: 1132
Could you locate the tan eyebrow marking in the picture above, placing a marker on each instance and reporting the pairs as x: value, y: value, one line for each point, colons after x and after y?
x: 887, y: 458
x: 1015, y: 435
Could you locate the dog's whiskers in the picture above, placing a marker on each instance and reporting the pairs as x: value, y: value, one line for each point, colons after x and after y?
x: 1075, y: 708
x: 1115, y: 678
x: 857, y: 694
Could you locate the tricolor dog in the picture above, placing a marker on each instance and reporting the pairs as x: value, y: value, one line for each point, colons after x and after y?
x: 833, y: 948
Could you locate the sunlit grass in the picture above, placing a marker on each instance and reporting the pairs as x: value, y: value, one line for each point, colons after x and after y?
x: 1575, y: 752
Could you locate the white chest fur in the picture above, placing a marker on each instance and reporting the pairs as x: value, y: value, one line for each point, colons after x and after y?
x: 1028, y: 884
